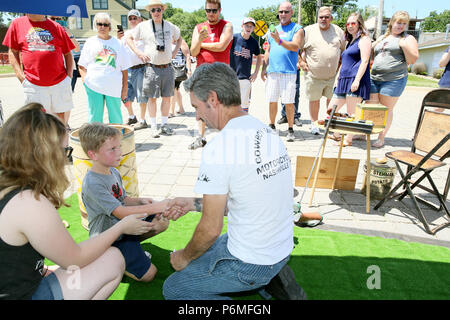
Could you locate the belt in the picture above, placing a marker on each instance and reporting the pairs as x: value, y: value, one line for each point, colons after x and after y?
x: 138, y: 66
x: 160, y: 66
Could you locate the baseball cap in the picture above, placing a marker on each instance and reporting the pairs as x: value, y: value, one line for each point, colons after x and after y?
x: 134, y: 12
x: 248, y: 19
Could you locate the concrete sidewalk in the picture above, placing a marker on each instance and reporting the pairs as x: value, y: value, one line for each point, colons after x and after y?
x: 166, y: 168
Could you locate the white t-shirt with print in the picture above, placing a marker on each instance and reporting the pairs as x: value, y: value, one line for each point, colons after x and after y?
x: 250, y: 163
x: 104, y: 61
x: 144, y: 31
x: 134, y: 59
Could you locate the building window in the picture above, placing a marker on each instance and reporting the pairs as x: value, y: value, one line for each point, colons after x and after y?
x: 92, y: 22
x: 124, y: 21
x: 100, y: 4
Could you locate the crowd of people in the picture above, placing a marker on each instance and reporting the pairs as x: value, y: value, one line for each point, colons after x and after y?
x: 148, y: 62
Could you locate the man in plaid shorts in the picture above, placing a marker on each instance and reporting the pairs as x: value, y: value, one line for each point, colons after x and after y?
x: 281, y: 58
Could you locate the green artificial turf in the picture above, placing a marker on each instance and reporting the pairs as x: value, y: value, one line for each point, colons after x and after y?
x: 328, y: 265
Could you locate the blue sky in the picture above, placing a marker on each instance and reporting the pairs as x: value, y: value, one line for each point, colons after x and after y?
x: 234, y: 10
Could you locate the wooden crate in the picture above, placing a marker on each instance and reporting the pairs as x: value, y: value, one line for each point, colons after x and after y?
x: 375, y: 112
x: 346, y: 176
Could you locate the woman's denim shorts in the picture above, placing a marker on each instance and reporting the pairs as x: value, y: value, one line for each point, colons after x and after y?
x: 392, y: 88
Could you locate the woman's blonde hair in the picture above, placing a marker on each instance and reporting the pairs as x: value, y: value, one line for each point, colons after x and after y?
x: 398, y: 16
x: 32, y: 155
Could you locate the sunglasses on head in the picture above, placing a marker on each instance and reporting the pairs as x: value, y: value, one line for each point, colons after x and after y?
x: 351, y: 24
x: 99, y: 24
x: 211, y: 10
x: 68, y: 151
x: 153, y: 10
x: 284, y: 12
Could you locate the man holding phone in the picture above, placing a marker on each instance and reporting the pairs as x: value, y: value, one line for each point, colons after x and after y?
x: 157, y: 36
x: 211, y: 42
x: 282, y: 57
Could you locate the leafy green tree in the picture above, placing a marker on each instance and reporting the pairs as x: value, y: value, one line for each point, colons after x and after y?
x: 187, y: 21
x: 436, y: 22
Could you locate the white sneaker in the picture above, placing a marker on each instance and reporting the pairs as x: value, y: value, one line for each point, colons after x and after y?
x: 155, y: 132
x: 314, y: 130
x: 290, y: 136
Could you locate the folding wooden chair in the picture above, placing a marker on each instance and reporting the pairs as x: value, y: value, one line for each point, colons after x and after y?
x: 431, y: 138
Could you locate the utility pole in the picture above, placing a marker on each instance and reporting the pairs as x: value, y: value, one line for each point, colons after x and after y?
x: 319, y: 4
x: 380, y: 18
x: 299, y: 19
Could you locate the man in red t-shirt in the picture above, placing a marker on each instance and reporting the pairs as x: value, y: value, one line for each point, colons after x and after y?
x: 44, y: 49
x: 211, y: 42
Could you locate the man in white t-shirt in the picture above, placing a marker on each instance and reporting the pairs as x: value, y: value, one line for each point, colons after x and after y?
x: 136, y: 72
x: 245, y: 173
x: 157, y: 35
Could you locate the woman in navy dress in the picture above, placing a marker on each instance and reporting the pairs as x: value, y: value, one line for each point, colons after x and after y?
x: 354, y: 78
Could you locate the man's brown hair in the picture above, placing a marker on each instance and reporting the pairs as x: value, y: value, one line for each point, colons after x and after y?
x: 214, y: 2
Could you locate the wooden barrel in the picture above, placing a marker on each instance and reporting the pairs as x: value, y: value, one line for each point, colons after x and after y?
x: 382, y: 174
x: 127, y: 168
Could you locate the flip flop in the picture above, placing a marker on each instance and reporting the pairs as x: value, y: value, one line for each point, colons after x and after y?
x: 181, y: 113
x: 171, y: 115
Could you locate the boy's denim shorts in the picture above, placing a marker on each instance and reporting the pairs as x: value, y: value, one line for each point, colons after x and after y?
x: 392, y: 88
x: 136, y: 261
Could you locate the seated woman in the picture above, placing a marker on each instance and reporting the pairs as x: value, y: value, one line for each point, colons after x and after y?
x: 103, y: 68
x: 32, y: 185
x: 354, y: 78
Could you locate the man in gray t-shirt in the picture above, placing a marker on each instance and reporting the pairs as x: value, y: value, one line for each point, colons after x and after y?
x: 101, y: 194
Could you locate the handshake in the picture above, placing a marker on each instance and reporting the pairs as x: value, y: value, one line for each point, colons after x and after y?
x: 175, y: 208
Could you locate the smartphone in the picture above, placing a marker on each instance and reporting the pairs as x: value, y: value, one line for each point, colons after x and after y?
x: 119, y: 27
x: 272, y: 28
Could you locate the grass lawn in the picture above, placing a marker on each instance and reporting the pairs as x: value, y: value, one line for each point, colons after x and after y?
x: 6, y: 69
x: 328, y: 265
x: 416, y: 81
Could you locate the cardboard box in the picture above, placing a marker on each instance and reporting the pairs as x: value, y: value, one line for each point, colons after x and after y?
x: 372, y: 111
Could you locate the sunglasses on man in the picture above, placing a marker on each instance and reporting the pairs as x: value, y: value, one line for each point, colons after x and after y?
x: 211, y: 10
x: 284, y: 12
x: 153, y: 10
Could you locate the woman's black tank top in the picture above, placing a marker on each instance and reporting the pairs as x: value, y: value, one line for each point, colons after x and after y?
x: 21, y: 267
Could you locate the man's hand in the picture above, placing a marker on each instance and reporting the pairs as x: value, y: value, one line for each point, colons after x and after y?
x: 263, y: 75
x: 178, y: 261
x: 203, y: 34
x: 178, y: 207
x: 253, y: 77
x: 145, y: 58
x: 275, y: 36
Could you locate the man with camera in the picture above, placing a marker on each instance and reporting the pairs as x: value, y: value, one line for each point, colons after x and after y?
x: 157, y: 36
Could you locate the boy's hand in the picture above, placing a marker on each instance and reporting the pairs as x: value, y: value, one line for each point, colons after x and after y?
x: 134, y: 225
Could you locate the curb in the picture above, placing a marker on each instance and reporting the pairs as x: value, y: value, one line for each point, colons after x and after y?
x: 7, y: 75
